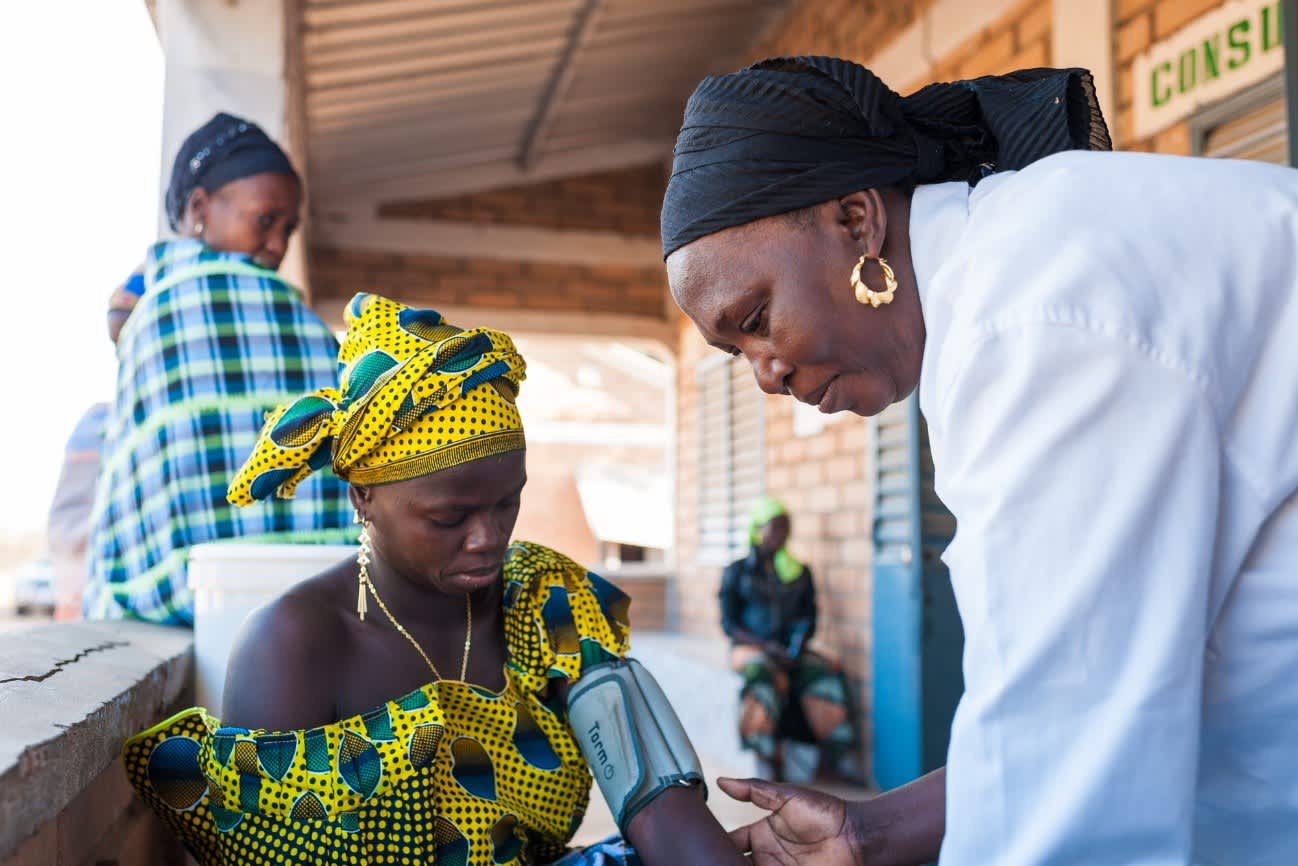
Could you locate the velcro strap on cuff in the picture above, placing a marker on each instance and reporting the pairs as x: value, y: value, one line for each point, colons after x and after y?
x: 631, y: 737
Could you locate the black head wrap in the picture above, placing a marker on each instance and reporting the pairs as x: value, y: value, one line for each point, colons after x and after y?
x: 792, y: 132
x: 225, y: 148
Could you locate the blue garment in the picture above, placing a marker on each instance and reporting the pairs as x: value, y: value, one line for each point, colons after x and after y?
x: 88, y: 435
x: 754, y: 600
x: 134, y: 284
x: 214, y: 344
x: 613, y: 851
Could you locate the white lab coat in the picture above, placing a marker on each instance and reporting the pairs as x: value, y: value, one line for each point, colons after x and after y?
x: 1111, y: 385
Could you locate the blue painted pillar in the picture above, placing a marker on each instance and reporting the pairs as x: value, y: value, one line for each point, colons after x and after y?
x: 918, y: 640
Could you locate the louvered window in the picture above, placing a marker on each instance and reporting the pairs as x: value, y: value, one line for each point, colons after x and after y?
x: 907, y: 512
x: 732, y: 456
x: 1248, y: 126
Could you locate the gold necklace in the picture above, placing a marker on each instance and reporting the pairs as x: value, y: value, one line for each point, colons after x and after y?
x: 468, y: 629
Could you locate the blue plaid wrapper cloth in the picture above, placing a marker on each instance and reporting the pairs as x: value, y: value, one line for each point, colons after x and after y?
x: 215, y: 343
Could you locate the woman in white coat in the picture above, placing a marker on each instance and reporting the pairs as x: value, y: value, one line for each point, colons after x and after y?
x: 1106, y: 351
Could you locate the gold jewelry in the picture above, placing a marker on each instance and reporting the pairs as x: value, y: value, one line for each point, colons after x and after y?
x: 866, y: 295
x: 363, y: 579
x: 363, y: 556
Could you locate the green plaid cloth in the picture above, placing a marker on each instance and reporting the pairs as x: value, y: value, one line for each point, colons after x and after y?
x: 215, y: 343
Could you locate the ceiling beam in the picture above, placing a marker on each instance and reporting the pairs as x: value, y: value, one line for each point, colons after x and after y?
x: 349, y: 18
x: 376, y: 70
x: 471, y: 78
x: 448, y: 181
x: 583, y: 28
x: 362, y: 230
x: 404, y: 141
x: 418, y: 43
x: 661, y: 334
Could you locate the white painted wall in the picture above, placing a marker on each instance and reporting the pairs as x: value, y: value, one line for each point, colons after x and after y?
x: 224, y: 56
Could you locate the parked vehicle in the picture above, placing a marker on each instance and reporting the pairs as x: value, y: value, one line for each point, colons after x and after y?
x: 34, y: 588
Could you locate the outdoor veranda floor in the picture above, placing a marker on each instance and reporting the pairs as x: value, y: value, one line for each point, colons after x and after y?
x: 693, y: 673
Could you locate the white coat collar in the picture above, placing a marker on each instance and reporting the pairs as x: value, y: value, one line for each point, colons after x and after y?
x: 939, y: 214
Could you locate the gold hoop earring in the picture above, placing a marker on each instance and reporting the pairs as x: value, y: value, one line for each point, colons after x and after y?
x: 866, y: 295
x: 363, y: 556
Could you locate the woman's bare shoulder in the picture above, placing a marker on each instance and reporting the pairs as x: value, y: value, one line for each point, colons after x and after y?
x: 280, y: 671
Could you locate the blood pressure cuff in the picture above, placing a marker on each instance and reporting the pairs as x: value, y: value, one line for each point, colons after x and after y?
x: 631, y: 737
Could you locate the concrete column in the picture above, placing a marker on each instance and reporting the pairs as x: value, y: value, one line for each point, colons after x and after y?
x: 226, y: 55
x: 1082, y: 35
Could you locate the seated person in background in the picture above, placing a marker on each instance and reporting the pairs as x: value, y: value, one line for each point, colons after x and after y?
x: 216, y: 341
x: 768, y: 610
x: 67, y: 529
x: 443, y: 697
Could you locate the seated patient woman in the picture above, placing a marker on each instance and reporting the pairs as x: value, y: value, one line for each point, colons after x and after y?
x: 442, y: 698
x: 768, y: 610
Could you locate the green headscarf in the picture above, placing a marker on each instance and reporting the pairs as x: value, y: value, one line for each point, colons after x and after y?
x: 766, y: 509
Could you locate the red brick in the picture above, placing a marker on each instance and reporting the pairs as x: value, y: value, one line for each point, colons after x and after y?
x: 1126, y: 87
x: 1033, y: 55
x: 1171, y: 15
x: 1035, y: 22
x: 990, y: 57
x: 821, y: 445
x: 625, y: 200
x: 1133, y: 37
x: 1174, y: 140
x: 1126, y: 9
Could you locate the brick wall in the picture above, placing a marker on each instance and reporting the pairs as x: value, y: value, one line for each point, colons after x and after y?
x: 857, y: 30
x: 854, y: 29
x: 696, y: 584
x: 552, y: 511
x: 823, y: 480
x: 337, y: 274
x: 1020, y: 40
x: 625, y: 201
x: 1137, y: 25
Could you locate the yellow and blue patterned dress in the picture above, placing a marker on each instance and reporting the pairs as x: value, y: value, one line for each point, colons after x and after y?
x: 451, y: 773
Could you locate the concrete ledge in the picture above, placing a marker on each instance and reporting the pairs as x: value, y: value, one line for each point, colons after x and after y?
x: 70, y: 694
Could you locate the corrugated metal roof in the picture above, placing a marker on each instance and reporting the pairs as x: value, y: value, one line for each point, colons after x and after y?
x: 416, y: 98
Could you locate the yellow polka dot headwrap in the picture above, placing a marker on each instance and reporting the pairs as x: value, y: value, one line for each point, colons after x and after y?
x: 415, y: 395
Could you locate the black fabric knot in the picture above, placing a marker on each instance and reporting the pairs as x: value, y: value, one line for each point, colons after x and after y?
x: 792, y: 132
x: 930, y: 158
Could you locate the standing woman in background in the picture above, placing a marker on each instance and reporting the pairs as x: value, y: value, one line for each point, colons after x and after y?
x: 216, y: 341
x: 67, y: 528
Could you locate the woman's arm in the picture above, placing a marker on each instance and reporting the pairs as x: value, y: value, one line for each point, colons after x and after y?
x: 676, y: 828
x: 731, y: 601
x: 804, y: 617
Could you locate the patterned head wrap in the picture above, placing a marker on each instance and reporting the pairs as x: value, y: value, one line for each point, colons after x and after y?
x: 415, y: 395
x: 766, y: 509
x: 222, y: 150
x: 792, y: 132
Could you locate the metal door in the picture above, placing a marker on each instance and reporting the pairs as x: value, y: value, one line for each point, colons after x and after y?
x: 917, y: 636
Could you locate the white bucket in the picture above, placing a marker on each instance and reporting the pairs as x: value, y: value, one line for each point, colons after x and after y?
x: 230, y: 580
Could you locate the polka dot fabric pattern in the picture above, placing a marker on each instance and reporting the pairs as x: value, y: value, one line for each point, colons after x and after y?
x: 450, y: 774
x: 415, y: 395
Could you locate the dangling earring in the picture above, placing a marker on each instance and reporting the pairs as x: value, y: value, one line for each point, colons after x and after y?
x: 864, y: 294
x: 199, y: 229
x: 363, y: 555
